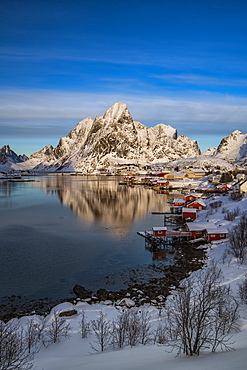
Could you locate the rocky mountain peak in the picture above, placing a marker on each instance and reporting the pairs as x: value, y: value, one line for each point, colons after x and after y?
x: 45, y: 152
x: 116, y: 112
x: 233, y: 147
x: 8, y: 155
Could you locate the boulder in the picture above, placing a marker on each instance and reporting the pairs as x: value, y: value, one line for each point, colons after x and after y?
x: 82, y: 292
x: 127, y: 302
x: 68, y: 313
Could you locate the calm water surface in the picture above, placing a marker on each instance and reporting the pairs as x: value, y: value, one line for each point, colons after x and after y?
x: 62, y: 230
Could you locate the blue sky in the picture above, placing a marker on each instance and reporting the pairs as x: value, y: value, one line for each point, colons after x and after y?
x: 179, y: 62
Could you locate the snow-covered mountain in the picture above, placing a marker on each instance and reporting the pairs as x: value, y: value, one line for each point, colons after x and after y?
x: 233, y: 148
x: 8, y: 156
x: 209, y: 152
x: 115, y: 138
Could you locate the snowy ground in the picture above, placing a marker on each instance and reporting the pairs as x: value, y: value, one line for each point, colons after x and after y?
x: 76, y: 353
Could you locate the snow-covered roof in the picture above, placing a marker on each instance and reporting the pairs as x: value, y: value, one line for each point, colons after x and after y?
x: 196, y: 195
x: 198, y: 201
x: 218, y: 230
x: 178, y: 200
x: 196, y: 170
x: 198, y: 226
x: 157, y: 228
x: 191, y: 210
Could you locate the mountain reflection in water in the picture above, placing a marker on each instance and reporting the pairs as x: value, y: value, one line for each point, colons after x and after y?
x: 62, y: 230
x: 104, y: 200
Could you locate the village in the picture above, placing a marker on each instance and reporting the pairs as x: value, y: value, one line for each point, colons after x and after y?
x: 178, y: 222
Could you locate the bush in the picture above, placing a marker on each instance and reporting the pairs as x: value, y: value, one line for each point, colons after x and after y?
x: 57, y: 329
x: 13, y: 349
x: 231, y: 215
x: 236, y: 196
x: 237, y: 239
x: 243, y: 291
x: 216, y: 204
x: 102, y: 330
x: 201, y: 314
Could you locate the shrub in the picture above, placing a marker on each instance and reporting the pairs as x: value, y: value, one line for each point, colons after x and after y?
x: 201, y: 314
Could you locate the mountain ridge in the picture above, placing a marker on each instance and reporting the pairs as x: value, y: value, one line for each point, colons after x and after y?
x: 114, y: 137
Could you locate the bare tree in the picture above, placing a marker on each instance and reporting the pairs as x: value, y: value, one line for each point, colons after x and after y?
x: 101, y: 328
x: 13, y: 350
x: 84, y: 327
x: 160, y: 334
x: 33, y: 334
x: 133, y: 328
x: 58, y: 328
x: 120, y: 327
x: 145, y: 327
x: 238, y: 239
x: 243, y: 291
x: 201, y: 314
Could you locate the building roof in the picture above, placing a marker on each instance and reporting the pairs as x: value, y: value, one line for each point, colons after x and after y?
x: 198, y: 201
x: 198, y: 226
x: 218, y: 230
x: 178, y: 200
x: 191, y: 210
x: 157, y: 228
x: 196, y: 195
x: 196, y: 170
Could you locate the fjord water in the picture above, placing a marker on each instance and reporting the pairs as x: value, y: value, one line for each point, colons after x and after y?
x: 61, y: 230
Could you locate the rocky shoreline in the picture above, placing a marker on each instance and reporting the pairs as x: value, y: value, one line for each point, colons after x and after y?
x: 140, y: 290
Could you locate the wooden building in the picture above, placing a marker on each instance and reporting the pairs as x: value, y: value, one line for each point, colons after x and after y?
x: 197, y: 204
x: 189, y: 213
x: 212, y: 234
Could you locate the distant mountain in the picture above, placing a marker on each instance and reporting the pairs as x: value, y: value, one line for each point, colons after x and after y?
x: 233, y: 148
x: 8, y: 156
x: 210, y: 152
x: 115, y: 138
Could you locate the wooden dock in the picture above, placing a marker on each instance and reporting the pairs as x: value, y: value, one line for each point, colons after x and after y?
x: 172, y: 237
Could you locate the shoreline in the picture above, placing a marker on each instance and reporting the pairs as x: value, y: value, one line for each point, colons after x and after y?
x: 154, y: 290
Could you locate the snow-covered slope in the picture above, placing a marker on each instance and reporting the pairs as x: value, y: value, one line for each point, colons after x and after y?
x: 207, y: 163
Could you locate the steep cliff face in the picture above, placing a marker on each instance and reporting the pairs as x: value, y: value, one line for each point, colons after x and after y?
x: 114, y: 137
x: 233, y: 148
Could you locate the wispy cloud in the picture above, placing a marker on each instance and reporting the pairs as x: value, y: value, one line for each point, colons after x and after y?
x: 47, y: 111
x: 195, y: 79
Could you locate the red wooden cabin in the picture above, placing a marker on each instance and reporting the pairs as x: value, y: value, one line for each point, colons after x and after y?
x: 189, y: 213
x: 159, y: 231
x: 197, y: 204
x: 191, y: 196
x: 215, y: 234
